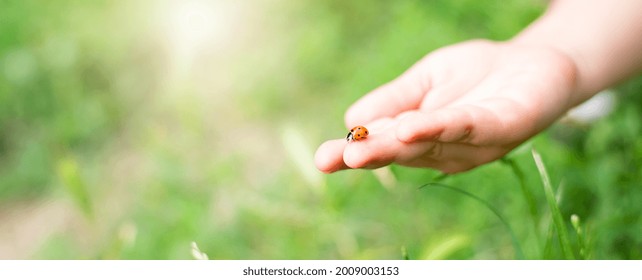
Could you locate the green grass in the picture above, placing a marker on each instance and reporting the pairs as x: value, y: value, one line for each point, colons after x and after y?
x: 516, y: 246
x: 558, y: 220
x: 141, y: 143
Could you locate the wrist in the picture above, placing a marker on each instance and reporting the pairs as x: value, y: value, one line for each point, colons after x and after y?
x: 602, y: 40
x: 544, y: 34
x: 561, y: 64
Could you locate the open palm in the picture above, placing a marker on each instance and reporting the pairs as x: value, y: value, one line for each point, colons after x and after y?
x: 457, y: 108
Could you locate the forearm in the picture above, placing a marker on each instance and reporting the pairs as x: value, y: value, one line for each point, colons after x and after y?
x: 602, y: 37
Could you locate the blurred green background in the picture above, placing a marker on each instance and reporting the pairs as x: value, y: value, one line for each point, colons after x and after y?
x: 130, y: 129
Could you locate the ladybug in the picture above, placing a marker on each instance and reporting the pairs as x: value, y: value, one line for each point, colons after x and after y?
x: 357, y: 133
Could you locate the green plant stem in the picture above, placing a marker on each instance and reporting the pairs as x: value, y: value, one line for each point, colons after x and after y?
x: 528, y: 195
x: 518, y: 250
x: 558, y: 221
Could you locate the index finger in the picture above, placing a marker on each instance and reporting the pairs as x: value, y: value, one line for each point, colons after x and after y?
x: 401, y: 94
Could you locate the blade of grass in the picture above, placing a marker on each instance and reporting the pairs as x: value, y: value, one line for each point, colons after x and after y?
x: 529, y: 197
x: 518, y: 249
x: 197, y: 253
x: 404, y: 253
x: 558, y: 221
x: 548, y: 246
x: 581, y: 241
x: 69, y: 173
x: 440, y: 177
x: 445, y: 247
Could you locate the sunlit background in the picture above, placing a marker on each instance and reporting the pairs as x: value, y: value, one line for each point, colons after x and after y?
x: 129, y: 129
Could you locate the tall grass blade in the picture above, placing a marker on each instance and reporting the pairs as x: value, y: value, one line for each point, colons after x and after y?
x: 528, y: 195
x: 404, y: 253
x: 197, y: 254
x: 581, y: 241
x: 558, y: 221
x: 69, y: 174
x: 518, y: 249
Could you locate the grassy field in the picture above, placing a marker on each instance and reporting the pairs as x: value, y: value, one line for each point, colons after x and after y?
x: 130, y: 129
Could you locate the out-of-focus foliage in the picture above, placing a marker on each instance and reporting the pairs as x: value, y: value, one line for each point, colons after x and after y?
x: 130, y: 129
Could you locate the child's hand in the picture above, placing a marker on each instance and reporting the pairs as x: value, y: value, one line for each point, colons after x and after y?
x: 458, y: 108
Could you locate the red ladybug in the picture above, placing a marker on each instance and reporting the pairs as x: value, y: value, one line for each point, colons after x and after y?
x: 357, y: 133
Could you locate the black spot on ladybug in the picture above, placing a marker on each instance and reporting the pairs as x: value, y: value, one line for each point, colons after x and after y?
x: 358, y: 134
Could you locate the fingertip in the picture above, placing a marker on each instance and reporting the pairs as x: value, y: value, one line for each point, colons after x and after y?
x: 353, y: 157
x: 378, y: 150
x: 329, y: 156
x: 355, y: 116
x: 349, y: 116
x: 388, y: 100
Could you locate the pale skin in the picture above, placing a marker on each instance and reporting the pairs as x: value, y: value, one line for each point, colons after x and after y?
x: 471, y: 103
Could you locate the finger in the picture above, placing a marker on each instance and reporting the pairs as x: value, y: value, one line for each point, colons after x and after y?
x: 455, y: 157
x: 329, y: 156
x: 401, y: 94
x: 382, y: 148
x: 442, y: 96
x: 445, y: 125
x: 376, y: 151
x: 477, y: 124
